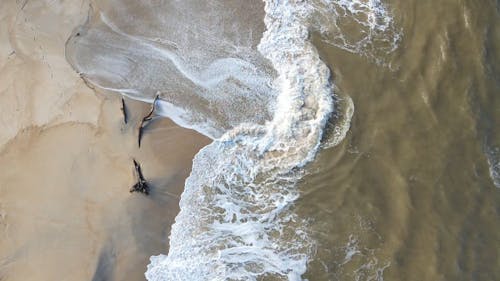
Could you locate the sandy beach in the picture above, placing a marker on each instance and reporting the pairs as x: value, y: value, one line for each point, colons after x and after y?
x: 352, y: 140
x: 65, y: 208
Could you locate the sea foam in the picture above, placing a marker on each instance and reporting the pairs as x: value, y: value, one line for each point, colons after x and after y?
x: 213, y: 76
x: 364, y: 27
x: 236, y: 220
x: 269, y: 112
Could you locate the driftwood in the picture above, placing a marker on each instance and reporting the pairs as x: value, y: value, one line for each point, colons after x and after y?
x: 150, y: 114
x: 146, y: 119
x: 124, y: 111
x: 141, y: 185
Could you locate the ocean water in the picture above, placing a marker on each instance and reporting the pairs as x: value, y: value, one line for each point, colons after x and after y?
x: 352, y: 140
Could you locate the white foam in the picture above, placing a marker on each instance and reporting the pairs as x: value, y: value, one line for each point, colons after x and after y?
x: 364, y: 260
x: 179, y: 115
x: 342, y: 123
x: 365, y: 27
x: 493, y: 158
x: 182, y: 117
x: 236, y: 221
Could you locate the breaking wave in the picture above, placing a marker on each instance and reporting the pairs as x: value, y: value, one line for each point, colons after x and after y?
x: 268, y: 111
x: 236, y: 220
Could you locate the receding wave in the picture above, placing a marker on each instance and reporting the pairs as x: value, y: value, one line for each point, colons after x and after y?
x: 208, y: 68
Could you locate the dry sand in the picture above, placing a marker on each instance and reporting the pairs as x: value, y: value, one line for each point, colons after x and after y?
x: 66, y: 158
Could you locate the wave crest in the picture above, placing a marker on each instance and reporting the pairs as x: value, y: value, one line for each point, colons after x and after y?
x: 236, y: 220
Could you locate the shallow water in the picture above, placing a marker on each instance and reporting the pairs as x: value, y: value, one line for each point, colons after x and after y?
x: 411, y: 193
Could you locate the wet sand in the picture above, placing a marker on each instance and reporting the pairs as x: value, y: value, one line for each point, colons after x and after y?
x: 65, y: 208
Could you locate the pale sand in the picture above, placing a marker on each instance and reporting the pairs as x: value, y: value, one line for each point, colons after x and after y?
x: 66, y: 157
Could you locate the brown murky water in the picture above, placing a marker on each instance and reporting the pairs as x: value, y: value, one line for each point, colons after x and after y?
x: 408, y: 195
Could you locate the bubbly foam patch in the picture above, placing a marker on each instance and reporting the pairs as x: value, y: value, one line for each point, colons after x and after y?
x: 236, y: 220
x: 365, y: 27
x: 364, y: 260
x: 340, y: 124
x: 267, y: 117
x: 493, y: 158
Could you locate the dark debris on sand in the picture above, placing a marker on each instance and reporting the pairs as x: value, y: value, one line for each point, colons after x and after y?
x: 141, y: 185
x: 146, y: 119
x: 124, y: 111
